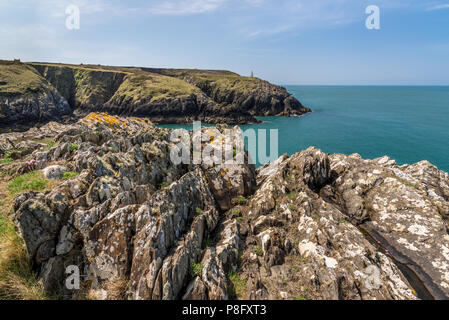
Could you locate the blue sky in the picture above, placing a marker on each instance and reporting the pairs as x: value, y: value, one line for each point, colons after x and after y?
x: 283, y: 41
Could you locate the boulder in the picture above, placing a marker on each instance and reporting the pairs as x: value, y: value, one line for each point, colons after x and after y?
x: 54, y: 171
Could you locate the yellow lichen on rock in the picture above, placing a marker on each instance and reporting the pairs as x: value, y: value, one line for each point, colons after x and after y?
x: 103, y: 118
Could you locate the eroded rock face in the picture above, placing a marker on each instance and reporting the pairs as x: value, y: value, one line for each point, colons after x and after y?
x: 256, y: 96
x: 301, y: 247
x: 131, y: 215
x: 40, y: 106
x: 404, y: 208
x: 308, y: 226
x: 196, y: 107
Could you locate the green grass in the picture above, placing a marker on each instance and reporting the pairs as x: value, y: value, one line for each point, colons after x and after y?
x: 164, y: 185
x: 5, y: 227
x: 198, y: 211
x: 228, y: 82
x: 68, y: 175
x: 292, y: 207
x: 20, y: 79
x: 6, y: 173
x: 196, y: 269
x: 73, y: 147
x: 236, y: 285
x: 48, y: 141
x: 6, y: 160
x: 10, y: 155
x: 237, y: 214
x: 292, y: 195
x: 258, y: 251
x: 17, y: 278
x: 242, y: 200
x: 34, y: 180
x: 153, y: 87
x: 299, y: 297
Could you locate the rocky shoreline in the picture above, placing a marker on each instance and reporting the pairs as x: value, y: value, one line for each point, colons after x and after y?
x: 308, y: 226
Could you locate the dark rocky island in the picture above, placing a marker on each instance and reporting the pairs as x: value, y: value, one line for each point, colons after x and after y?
x: 101, y: 193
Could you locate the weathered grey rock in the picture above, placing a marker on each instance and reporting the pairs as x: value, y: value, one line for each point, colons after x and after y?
x: 195, y: 290
x: 308, y: 249
x: 54, y: 171
x: 405, y: 209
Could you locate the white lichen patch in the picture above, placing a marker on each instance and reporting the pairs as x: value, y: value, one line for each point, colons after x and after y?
x: 330, y: 262
x: 407, y: 244
x: 419, y: 230
x: 307, y: 248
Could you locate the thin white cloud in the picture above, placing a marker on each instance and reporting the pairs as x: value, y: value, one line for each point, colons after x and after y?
x: 56, y: 8
x: 438, y: 7
x: 249, y: 18
x: 185, y: 7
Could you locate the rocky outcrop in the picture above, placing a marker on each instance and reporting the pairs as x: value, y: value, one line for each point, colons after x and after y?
x: 130, y: 213
x: 250, y: 94
x: 308, y: 226
x: 195, y: 106
x: 256, y: 96
x: 404, y: 209
x: 299, y: 246
x: 323, y: 226
x: 39, y: 107
x: 26, y: 97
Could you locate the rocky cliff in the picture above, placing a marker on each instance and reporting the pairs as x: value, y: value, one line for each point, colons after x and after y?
x: 309, y: 226
x: 26, y: 97
x: 84, y: 88
x: 39, y: 92
x: 256, y: 96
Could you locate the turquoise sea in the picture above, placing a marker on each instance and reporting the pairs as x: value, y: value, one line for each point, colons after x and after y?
x: 408, y: 124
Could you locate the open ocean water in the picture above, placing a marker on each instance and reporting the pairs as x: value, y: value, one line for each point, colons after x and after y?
x: 408, y: 124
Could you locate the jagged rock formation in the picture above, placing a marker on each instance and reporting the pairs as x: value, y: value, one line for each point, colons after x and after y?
x: 162, y: 96
x: 114, y: 220
x: 309, y: 226
x: 301, y: 218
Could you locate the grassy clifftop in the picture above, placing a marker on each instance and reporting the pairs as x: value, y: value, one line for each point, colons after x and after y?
x: 19, y: 79
x: 88, y: 85
x: 227, y: 82
x: 153, y: 87
x: 224, y: 80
